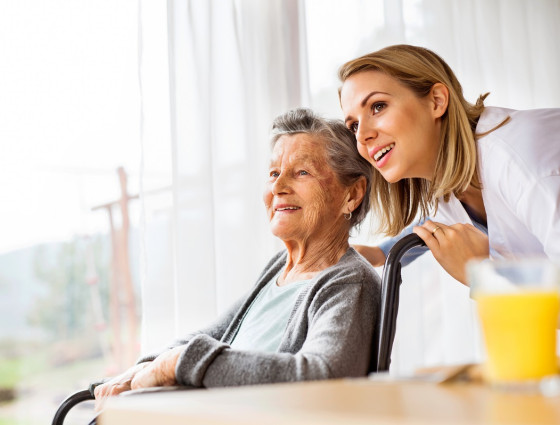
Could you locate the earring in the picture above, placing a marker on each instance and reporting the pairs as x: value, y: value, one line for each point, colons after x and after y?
x: 348, y: 216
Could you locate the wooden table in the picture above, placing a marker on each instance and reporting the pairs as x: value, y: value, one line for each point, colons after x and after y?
x: 348, y: 402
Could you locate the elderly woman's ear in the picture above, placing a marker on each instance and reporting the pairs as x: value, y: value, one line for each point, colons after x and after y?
x: 356, y: 194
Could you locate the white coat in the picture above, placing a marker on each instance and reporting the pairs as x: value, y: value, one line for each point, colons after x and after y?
x: 520, y: 176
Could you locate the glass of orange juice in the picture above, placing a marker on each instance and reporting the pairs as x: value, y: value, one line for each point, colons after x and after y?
x: 518, y: 302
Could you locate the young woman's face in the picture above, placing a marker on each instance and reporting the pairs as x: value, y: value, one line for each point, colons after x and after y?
x: 397, y: 132
x: 303, y: 197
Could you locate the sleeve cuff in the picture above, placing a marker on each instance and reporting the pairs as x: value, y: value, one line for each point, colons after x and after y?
x: 195, y: 360
x: 148, y: 358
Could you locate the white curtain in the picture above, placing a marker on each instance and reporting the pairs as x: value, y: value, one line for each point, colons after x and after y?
x: 234, y: 65
x: 508, y: 48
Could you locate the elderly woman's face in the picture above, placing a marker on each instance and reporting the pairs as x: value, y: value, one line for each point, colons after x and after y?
x: 303, y: 197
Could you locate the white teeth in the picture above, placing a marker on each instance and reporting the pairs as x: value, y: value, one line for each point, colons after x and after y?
x: 380, y: 153
x: 287, y: 208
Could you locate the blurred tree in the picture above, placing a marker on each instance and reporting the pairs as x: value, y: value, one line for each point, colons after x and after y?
x: 65, y: 310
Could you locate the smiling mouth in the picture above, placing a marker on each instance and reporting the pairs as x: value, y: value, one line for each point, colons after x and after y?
x: 382, y: 152
x: 288, y: 208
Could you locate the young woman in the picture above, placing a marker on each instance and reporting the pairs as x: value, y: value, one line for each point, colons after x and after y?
x: 490, y: 175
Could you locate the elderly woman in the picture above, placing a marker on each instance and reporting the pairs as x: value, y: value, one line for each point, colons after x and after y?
x: 311, y: 313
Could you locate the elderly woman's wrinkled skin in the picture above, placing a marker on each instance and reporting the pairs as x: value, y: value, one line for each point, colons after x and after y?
x: 306, y: 203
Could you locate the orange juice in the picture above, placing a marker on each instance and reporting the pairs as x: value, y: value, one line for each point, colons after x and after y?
x: 520, y: 334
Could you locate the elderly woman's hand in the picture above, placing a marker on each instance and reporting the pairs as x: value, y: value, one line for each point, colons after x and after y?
x: 157, y: 373
x: 116, y: 385
x: 453, y: 246
x: 160, y: 372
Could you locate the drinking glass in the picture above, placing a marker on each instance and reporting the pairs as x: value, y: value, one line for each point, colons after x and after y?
x: 518, y: 303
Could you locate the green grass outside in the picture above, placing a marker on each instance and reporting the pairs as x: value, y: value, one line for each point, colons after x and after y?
x: 14, y: 370
x: 10, y: 373
x: 43, y: 386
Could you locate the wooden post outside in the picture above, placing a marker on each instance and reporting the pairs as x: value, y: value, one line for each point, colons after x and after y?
x: 126, y: 276
x: 121, y: 291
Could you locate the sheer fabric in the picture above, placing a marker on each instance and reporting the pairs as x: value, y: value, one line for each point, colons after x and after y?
x: 234, y: 65
x: 498, y: 46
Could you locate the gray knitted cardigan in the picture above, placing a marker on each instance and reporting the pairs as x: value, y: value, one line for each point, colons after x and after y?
x: 328, y: 334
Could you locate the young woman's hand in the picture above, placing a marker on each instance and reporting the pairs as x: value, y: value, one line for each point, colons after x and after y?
x: 453, y: 246
x: 373, y: 254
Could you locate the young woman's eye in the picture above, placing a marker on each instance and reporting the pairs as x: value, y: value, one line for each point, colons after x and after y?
x: 378, y: 107
x: 353, y: 127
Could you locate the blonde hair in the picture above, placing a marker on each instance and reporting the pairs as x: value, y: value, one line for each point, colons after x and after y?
x: 398, y: 204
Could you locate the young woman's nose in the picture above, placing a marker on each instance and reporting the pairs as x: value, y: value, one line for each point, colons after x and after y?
x: 366, y: 132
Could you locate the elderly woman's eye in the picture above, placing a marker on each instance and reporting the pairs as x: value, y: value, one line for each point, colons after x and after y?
x: 274, y: 174
x: 303, y: 173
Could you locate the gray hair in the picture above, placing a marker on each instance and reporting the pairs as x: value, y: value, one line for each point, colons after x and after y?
x: 340, y: 147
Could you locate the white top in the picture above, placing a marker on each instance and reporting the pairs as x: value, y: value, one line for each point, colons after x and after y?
x: 264, y: 323
x: 520, y: 176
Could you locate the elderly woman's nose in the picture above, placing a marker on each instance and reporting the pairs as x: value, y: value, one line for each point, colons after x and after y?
x: 281, y: 184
